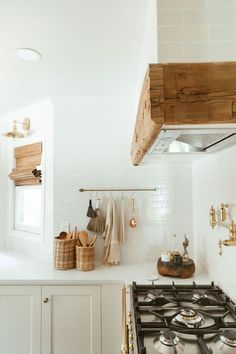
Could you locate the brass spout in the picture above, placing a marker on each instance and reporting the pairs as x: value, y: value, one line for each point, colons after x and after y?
x: 229, y: 243
x: 232, y: 238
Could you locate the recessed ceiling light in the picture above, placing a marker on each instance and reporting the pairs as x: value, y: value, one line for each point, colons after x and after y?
x: 28, y: 54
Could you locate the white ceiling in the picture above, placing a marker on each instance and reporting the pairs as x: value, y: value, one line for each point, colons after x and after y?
x: 89, y: 48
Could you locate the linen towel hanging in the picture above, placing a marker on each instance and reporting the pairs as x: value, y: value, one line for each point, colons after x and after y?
x: 111, y: 235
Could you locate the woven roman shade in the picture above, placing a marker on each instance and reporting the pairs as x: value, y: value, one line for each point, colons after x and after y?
x: 27, y: 158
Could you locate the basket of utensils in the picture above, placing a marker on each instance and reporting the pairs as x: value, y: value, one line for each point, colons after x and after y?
x: 74, y: 250
x: 85, y: 252
x: 64, y: 253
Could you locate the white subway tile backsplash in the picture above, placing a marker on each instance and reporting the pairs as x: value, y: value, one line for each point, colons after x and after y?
x: 222, y: 32
x: 195, y: 16
x: 182, y: 33
x: 170, y: 51
x: 170, y: 4
x: 206, y: 33
x: 170, y: 17
x: 196, y: 50
x: 225, y: 50
x: 217, y: 16
x: 210, y: 51
x: 222, y: 3
x: 212, y: 185
x: 159, y: 214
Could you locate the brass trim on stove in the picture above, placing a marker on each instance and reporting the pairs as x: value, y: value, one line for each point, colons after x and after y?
x: 124, y: 344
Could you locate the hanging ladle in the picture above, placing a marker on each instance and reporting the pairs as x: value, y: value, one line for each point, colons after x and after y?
x: 133, y: 222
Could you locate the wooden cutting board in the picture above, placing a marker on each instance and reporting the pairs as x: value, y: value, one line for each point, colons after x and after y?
x: 184, y: 270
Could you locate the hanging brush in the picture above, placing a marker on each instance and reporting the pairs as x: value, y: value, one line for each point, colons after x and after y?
x: 97, y: 222
x: 90, y: 211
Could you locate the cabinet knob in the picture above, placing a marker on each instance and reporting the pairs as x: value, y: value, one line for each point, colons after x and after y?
x: 45, y: 300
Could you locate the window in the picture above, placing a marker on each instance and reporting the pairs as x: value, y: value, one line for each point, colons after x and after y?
x: 28, y: 191
x: 28, y: 208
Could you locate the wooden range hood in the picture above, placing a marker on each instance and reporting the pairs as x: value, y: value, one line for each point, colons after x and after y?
x: 183, y: 94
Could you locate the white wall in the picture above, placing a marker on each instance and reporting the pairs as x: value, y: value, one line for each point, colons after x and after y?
x: 214, y: 183
x: 149, y: 53
x: 196, y: 30
x: 92, y: 150
x: 41, y: 116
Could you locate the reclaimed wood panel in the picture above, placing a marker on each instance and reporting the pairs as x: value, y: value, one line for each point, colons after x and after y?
x: 183, y: 93
x: 150, y: 116
x: 200, y: 93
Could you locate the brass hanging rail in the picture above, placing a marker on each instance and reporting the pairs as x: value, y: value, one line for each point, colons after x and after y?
x: 120, y: 190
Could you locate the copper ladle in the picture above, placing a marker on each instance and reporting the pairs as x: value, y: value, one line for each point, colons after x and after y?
x: 133, y: 222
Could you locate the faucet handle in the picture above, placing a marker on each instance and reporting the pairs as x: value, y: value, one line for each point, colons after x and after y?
x: 220, y: 252
x: 213, y: 221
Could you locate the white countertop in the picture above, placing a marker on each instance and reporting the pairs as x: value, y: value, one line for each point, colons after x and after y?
x: 17, y: 269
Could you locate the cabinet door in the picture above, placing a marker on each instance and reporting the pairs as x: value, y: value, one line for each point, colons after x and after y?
x: 20, y: 319
x: 71, y: 320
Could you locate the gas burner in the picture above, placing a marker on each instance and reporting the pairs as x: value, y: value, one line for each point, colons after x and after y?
x: 153, y: 295
x: 199, y: 295
x: 168, y: 342
x: 201, y: 298
x: 183, y: 318
x: 229, y: 338
x: 189, y: 318
x: 226, y: 342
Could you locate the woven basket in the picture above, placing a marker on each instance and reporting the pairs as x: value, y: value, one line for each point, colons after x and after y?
x: 85, y: 258
x: 64, y: 253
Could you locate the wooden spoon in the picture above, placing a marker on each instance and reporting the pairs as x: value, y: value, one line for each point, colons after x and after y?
x: 83, y: 237
x: 93, y: 241
x: 63, y: 234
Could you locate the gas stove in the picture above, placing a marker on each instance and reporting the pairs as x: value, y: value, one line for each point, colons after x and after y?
x: 191, y: 319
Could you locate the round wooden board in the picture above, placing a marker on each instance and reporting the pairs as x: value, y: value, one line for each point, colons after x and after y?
x: 184, y: 270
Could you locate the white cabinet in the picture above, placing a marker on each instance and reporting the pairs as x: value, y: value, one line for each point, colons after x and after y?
x: 60, y: 319
x: 71, y: 320
x: 20, y: 319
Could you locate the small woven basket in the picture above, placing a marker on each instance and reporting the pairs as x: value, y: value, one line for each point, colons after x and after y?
x: 64, y: 253
x: 85, y: 258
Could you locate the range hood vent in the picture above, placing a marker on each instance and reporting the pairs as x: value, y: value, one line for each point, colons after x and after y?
x: 193, y: 140
x: 186, y: 108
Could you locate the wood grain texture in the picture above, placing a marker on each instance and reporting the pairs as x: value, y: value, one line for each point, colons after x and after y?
x: 184, y: 270
x: 177, y: 94
x: 150, y: 116
x: 28, y: 150
x: 200, y: 93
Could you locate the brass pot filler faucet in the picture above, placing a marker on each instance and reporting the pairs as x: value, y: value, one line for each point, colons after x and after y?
x: 231, y: 241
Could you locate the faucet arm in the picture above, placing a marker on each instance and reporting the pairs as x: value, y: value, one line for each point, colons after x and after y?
x: 229, y: 242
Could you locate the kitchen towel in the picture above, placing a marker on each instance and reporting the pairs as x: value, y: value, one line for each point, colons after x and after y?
x: 111, y: 235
